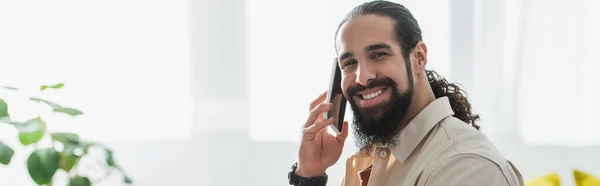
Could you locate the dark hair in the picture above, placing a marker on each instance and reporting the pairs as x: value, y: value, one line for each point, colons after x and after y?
x: 408, y: 34
x: 457, y: 96
x: 407, y: 30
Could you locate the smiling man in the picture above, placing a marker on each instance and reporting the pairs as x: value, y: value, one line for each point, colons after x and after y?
x: 411, y: 125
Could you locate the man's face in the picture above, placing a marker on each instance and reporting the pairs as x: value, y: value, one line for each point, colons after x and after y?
x: 375, y: 77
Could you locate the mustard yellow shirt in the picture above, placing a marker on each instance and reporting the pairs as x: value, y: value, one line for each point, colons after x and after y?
x: 434, y: 149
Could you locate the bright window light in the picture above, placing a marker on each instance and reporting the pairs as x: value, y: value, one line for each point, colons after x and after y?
x: 559, y: 80
x: 125, y: 64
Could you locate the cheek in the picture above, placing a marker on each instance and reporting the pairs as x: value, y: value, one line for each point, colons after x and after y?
x: 396, y: 72
x: 347, y: 82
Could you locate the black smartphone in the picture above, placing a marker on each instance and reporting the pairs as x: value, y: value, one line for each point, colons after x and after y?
x: 336, y: 97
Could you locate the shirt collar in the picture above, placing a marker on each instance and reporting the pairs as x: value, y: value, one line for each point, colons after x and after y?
x: 418, y: 127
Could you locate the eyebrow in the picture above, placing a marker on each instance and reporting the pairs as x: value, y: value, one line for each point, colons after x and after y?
x: 377, y: 46
x: 345, y: 55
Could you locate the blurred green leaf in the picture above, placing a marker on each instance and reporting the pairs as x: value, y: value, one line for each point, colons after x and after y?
x: 57, y: 108
x: 56, y: 86
x: 30, y: 138
x: 67, y: 160
x: 127, y: 180
x: 4, y: 111
x: 65, y: 138
x: 110, y: 161
x: 69, y: 111
x: 79, y: 181
x: 70, y: 142
x: 8, y: 121
x: 9, y: 88
x: 31, y: 131
x: 85, y: 146
x: 42, y: 164
x: 6, y: 153
x: 51, y: 104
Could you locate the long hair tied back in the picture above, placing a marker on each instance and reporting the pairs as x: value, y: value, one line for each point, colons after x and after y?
x: 457, y: 96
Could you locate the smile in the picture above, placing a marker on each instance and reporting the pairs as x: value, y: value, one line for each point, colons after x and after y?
x: 373, y: 95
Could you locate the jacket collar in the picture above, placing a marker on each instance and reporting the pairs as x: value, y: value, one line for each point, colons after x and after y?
x: 418, y: 128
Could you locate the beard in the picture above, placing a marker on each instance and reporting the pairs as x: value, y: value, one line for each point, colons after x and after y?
x: 380, y: 124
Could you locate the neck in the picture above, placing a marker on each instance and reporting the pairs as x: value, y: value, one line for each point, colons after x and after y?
x: 422, y: 97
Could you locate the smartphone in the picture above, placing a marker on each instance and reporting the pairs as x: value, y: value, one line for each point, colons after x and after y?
x: 336, y: 97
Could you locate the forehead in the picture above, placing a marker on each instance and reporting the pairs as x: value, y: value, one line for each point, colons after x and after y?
x: 365, y: 30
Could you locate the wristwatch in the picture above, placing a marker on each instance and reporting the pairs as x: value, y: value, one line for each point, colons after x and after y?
x: 301, y: 181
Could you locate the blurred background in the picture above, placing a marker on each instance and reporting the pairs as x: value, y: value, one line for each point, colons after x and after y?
x: 214, y: 92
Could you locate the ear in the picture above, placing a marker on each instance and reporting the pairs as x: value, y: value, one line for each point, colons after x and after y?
x: 420, y: 54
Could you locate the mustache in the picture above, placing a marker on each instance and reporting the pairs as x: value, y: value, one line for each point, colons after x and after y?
x: 385, y: 81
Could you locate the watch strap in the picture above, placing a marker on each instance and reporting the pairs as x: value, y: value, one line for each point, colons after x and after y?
x: 302, y: 181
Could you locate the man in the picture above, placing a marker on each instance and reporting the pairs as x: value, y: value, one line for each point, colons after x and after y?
x: 411, y: 125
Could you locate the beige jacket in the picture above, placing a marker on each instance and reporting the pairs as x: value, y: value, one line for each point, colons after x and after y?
x: 434, y: 149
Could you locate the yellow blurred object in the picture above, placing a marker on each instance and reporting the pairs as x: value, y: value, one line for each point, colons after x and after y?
x: 548, y: 180
x: 585, y: 179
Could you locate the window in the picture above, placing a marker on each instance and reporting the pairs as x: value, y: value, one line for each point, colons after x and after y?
x: 125, y: 64
x: 558, y: 90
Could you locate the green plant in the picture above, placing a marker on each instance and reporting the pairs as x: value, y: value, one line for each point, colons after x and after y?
x: 63, y: 153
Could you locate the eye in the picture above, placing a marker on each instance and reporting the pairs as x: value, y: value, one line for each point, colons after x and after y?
x: 348, y: 63
x: 378, y: 54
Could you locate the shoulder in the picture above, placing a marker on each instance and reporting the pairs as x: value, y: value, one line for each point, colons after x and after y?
x: 466, y: 169
x: 457, y: 138
x: 466, y: 156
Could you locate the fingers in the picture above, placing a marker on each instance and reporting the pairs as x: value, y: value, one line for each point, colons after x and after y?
x: 313, y: 124
x: 344, y: 134
x: 317, y: 101
x: 313, y: 129
x: 316, y: 112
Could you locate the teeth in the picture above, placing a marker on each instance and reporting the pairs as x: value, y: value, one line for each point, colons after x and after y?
x: 373, y: 95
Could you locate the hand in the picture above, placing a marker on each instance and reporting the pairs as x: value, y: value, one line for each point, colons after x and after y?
x: 319, y: 149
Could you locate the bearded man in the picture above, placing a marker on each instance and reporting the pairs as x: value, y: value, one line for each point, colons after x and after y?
x: 412, y: 127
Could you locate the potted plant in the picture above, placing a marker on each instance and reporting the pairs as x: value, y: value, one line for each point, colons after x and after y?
x: 63, y: 152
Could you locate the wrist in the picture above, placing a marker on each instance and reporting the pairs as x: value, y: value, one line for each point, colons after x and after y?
x: 306, y: 178
x: 308, y: 173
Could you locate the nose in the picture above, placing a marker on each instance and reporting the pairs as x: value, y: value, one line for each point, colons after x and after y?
x: 364, y: 74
